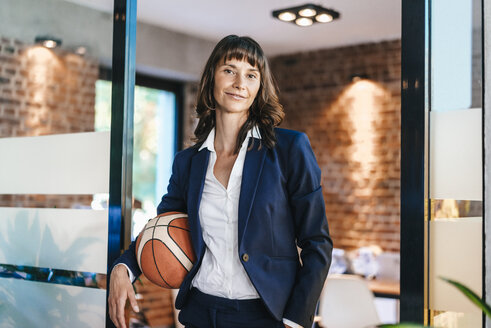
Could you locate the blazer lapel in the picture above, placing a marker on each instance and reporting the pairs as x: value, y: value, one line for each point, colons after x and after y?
x: 251, y: 173
x: 199, y: 164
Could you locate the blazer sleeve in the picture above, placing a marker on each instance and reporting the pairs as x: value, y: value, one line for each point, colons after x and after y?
x: 311, y: 231
x: 172, y: 201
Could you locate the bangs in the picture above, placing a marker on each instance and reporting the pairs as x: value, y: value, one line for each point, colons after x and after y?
x: 244, y: 51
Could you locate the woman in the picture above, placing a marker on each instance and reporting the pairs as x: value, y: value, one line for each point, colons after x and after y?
x: 252, y: 193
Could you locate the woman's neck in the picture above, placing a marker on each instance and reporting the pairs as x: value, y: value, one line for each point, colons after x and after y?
x: 226, y: 131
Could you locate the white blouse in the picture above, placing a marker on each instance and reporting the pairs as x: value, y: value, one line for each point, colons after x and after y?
x: 221, y: 273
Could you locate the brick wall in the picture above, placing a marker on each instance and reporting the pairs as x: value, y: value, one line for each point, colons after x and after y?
x: 354, y: 129
x: 45, y: 92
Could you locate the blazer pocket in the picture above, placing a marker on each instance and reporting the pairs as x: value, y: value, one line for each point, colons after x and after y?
x: 286, y: 258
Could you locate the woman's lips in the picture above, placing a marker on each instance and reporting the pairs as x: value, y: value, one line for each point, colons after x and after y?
x: 235, y: 96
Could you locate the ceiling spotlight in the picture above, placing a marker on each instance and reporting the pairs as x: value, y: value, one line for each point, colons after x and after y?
x: 301, y: 15
x: 307, y: 12
x: 304, y: 21
x: 48, y: 41
x: 323, y: 18
x: 287, y: 16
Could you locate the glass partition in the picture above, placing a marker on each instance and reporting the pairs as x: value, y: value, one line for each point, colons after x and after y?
x: 54, y: 167
x: 455, y: 161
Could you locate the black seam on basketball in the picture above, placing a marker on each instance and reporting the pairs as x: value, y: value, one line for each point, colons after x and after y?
x: 167, y: 225
x: 185, y: 229
x: 146, y: 243
x: 155, y: 261
x: 168, y: 232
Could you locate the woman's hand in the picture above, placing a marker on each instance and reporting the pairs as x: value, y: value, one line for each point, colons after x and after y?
x: 286, y: 326
x: 120, y: 289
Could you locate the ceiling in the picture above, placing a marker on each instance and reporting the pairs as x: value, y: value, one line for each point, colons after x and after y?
x: 361, y: 21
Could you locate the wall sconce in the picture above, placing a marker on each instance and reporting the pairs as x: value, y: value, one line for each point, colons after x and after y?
x: 81, y: 51
x: 48, y: 41
x: 358, y: 77
x: 306, y: 15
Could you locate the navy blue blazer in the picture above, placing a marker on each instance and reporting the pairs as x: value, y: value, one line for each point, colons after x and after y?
x: 281, y: 206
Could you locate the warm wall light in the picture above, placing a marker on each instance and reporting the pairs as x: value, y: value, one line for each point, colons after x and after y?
x: 48, y: 41
x: 358, y: 77
x: 303, y: 15
x: 81, y: 51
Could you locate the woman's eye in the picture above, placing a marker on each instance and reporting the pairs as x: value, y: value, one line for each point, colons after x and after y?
x: 228, y: 71
x: 252, y: 76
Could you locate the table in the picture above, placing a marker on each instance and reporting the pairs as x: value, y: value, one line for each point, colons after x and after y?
x: 384, y: 288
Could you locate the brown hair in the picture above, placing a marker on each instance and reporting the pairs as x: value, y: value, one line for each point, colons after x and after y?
x: 266, y: 112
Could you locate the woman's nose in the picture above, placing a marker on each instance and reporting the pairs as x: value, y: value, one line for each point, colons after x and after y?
x: 239, y: 81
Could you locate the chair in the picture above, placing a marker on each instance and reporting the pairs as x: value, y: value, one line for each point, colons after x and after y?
x: 347, y: 302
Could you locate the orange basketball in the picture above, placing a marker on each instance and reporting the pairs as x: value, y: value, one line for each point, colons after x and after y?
x: 164, y: 250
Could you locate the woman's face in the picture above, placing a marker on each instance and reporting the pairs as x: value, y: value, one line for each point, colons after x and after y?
x: 236, y: 86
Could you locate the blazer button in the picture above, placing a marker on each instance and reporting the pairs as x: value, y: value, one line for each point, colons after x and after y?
x: 245, y: 257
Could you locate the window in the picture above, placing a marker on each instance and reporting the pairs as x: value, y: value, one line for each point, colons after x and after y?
x: 156, y: 138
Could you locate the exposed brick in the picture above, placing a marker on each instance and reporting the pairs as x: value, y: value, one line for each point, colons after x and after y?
x: 31, y: 96
x: 362, y: 194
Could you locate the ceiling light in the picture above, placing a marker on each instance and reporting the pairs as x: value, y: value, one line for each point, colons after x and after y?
x: 48, y: 41
x: 287, y: 16
x: 323, y: 18
x: 307, y: 12
x: 304, y: 21
x: 303, y: 15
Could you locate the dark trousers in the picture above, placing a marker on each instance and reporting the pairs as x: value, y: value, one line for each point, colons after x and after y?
x: 206, y: 311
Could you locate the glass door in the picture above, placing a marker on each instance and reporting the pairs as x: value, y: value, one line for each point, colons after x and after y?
x: 454, y: 224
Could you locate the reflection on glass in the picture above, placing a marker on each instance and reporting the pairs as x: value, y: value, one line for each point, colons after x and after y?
x: 57, y: 276
x: 38, y: 304
x: 68, y: 239
x: 453, y: 208
x: 450, y: 319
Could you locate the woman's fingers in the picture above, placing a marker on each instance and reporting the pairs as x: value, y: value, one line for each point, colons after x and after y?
x: 120, y: 290
x: 113, y: 311
x: 112, y: 307
x: 132, y: 298
x: 120, y: 313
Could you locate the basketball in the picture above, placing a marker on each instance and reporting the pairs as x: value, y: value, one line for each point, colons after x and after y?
x: 164, y: 250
